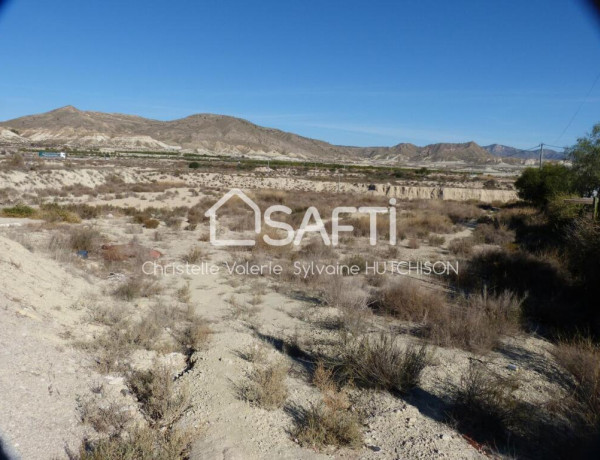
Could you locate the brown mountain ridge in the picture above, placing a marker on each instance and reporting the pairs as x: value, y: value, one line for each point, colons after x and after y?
x: 68, y: 127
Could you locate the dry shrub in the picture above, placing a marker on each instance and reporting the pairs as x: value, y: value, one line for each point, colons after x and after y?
x: 161, y: 402
x: 435, y: 240
x: 460, y: 211
x: 139, y: 443
x: 323, y: 378
x: 14, y: 161
x: 107, y: 315
x: 413, y: 243
x: 381, y: 363
x: 266, y: 387
x: 333, y: 397
x: 52, y: 212
x: 151, y: 223
x: 423, y: 224
x: 263, y: 247
x: 238, y: 309
x: 408, y: 300
x: 351, y: 301
x: 581, y: 358
x: 485, y: 407
x: 332, y: 421
x: 341, y: 292
x: 85, y: 211
x: 108, y: 418
x: 354, y: 320
x: 266, y: 198
x: 183, y: 293
x: 84, y: 239
x: 478, y: 323
x: 362, y: 226
x: 321, y: 425
x: 462, y: 247
x: 316, y: 250
x: 112, y: 349
x: 498, y: 234
x: 256, y: 353
x: 193, y: 335
x: 134, y: 287
x: 194, y: 255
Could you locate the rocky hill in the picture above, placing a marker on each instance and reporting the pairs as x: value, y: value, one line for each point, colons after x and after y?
x: 69, y: 127
x: 505, y: 151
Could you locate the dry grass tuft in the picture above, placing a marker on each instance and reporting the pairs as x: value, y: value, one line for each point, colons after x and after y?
x: 581, y: 358
x: 194, y: 335
x: 332, y: 421
x: 238, y: 309
x: 494, y: 233
x: 195, y: 255
x: 161, y: 402
x: 381, y: 363
x: 266, y: 387
x: 478, y: 324
x: 413, y: 243
x: 320, y: 426
x: 84, y: 239
x: 408, y: 300
x: 134, y: 287
x: 139, y: 443
x: 108, y: 418
x: 485, y: 406
x: 256, y: 353
x: 151, y: 223
x: 435, y: 240
x: 462, y: 247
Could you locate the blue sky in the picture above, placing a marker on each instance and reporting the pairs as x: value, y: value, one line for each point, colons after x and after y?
x: 348, y: 72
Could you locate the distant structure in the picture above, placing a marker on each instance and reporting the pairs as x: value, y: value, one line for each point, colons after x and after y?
x: 52, y: 154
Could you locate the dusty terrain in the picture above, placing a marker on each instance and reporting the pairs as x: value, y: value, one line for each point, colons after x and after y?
x: 56, y: 308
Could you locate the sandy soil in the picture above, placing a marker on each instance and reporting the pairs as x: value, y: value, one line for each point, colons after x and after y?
x: 47, y: 300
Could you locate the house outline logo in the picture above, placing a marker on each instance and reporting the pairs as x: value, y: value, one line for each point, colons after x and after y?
x: 212, y: 214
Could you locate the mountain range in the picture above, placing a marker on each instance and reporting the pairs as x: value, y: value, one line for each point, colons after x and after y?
x: 69, y: 127
x: 512, y: 152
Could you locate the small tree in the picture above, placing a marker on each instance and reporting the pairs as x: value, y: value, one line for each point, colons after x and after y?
x: 540, y: 186
x: 585, y: 155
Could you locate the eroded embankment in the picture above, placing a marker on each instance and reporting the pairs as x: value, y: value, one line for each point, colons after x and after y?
x: 56, y: 179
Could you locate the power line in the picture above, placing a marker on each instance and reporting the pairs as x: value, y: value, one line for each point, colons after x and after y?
x: 520, y: 151
x: 578, y: 109
x: 555, y: 146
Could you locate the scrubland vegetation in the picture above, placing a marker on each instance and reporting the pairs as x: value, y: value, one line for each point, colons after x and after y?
x: 319, y: 349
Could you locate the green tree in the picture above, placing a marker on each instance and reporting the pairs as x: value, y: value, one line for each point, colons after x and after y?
x: 540, y: 186
x: 585, y: 156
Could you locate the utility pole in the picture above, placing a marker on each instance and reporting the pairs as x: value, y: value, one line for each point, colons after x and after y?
x: 541, y: 154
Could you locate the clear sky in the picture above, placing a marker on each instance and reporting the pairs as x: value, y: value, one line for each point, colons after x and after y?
x: 345, y: 71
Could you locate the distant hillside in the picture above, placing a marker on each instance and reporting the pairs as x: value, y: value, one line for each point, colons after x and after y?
x: 512, y: 152
x: 69, y: 127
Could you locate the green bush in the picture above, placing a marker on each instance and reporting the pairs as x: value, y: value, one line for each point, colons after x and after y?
x: 194, y: 165
x: 586, y: 161
x: 53, y: 212
x: 540, y: 185
x: 19, y: 210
